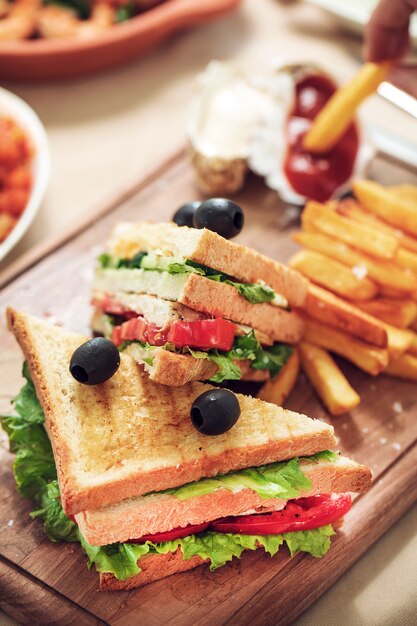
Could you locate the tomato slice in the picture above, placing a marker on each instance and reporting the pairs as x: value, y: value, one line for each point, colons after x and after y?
x: 202, y: 334
x: 170, y: 535
x: 300, y: 514
x: 141, y: 330
x: 205, y: 334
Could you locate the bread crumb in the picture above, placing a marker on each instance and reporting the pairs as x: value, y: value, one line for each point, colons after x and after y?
x: 396, y: 446
x: 383, y: 441
x: 360, y: 271
x: 365, y: 430
x: 10, y: 523
x: 397, y: 407
x: 337, y: 440
x: 344, y: 426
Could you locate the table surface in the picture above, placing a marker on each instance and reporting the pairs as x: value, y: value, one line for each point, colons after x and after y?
x: 107, y: 131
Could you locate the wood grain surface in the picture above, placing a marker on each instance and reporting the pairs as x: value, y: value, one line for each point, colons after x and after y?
x: 45, y: 583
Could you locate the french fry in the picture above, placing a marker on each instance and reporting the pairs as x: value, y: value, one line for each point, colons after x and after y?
x: 324, y: 306
x: 406, y: 258
x: 365, y: 237
x: 413, y: 347
x: 399, y: 313
x: 405, y: 191
x: 401, y: 212
x: 393, y: 293
x: 399, y: 340
x: 332, y: 275
x: 383, y: 272
x: 334, y: 119
x: 404, y: 366
x: 327, y: 379
x: 368, y: 358
x: 279, y: 388
x: 413, y: 326
x: 351, y: 208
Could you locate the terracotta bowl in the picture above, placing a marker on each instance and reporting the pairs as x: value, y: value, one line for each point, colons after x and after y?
x: 43, y: 59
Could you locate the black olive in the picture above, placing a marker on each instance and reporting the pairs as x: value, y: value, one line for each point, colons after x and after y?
x: 184, y: 216
x: 220, y: 215
x: 215, y: 411
x: 95, y: 361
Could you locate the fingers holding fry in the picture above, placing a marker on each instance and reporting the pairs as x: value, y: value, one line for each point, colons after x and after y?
x: 327, y: 379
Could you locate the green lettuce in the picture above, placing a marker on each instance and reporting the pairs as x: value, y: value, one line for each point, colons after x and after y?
x: 36, y: 478
x: 218, y: 548
x: 276, y: 480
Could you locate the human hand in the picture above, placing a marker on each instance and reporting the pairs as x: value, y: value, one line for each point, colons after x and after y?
x: 386, y: 35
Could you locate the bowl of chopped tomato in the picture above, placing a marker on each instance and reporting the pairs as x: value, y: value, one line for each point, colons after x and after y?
x: 24, y: 168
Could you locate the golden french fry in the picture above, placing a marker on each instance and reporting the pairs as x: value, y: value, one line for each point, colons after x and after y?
x: 399, y: 313
x: 405, y: 191
x: 333, y: 275
x: 351, y: 208
x: 404, y: 366
x: 406, y: 258
x: 413, y: 347
x: 413, y: 326
x: 399, y: 340
x: 368, y: 358
x: 279, y: 388
x: 325, y: 307
x: 334, y: 119
x: 327, y: 379
x: 381, y: 271
x: 365, y: 237
x: 388, y: 291
x: 401, y: 212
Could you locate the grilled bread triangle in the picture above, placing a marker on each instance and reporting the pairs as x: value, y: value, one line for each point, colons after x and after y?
x: 130, y: 436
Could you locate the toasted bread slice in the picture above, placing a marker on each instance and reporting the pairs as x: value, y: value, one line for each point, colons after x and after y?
x: 147, y: 515
x: 130, y: 436
x: 206, y: 296
x: 175, y: 370
x: 209, y: 249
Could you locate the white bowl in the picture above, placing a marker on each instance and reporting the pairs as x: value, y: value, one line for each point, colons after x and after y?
x: 15, y: 108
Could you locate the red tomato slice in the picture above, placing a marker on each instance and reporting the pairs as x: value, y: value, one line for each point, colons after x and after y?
x: 301, y: 514
x: 170, y: 535
x: 204, y: 334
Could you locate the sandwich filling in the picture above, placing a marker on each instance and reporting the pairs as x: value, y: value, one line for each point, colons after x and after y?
x: 303, y: 524
x: 130, y: 293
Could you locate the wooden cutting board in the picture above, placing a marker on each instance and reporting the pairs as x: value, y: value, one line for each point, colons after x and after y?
x: 42, y: 582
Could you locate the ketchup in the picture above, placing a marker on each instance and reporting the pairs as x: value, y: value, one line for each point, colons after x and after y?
x: 316, y: 176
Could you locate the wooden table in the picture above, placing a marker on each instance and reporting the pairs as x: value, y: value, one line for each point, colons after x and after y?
x: 106, y: 131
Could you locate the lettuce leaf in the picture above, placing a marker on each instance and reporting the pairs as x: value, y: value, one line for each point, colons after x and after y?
x: 218, y: 548
x: 276, y: 480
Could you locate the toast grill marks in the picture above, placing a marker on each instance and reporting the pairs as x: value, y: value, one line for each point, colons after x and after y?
x: 103, y: 457
x: 162, y: 512
x: 209, y: 249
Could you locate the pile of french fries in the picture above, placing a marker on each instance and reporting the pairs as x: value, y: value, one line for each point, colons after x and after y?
x: 360, y: 255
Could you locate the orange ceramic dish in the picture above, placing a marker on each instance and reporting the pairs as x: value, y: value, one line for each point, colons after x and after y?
x: 15, y: 174
x: 42, y: 59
